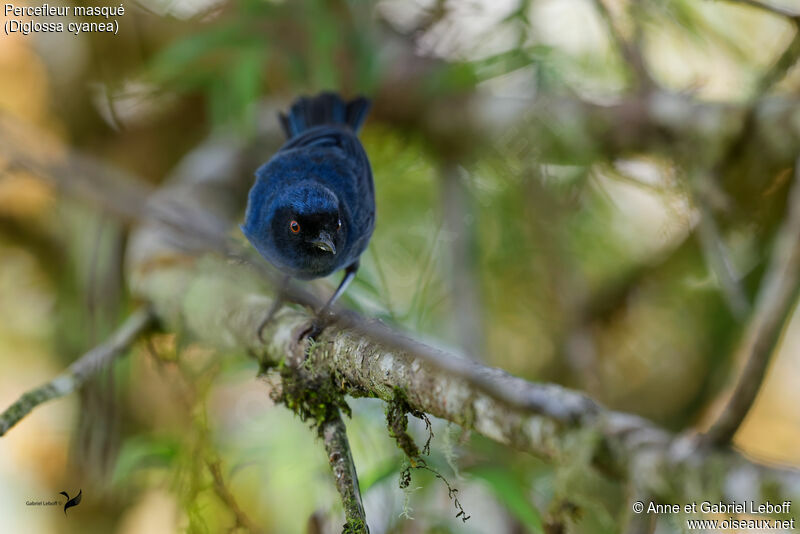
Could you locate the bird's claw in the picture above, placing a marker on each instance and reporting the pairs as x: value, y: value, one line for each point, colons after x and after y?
x: 314, y: 329
x: 270, y: 315
x: 261, y: 326
x: 320, y: 321
x: 279, y: 300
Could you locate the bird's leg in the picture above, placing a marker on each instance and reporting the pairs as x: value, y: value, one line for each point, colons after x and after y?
x: 280, y: 298
x: 349, y: 274
x: 323, y: 315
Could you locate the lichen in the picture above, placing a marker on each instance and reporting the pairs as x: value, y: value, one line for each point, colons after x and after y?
x: 397, y: 411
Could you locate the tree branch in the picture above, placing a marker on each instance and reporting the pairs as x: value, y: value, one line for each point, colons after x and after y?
x: 775, y: 302
x: 334, y: 436
x: 718, y: 260
x: 218, y: 303
x: 80, y: 371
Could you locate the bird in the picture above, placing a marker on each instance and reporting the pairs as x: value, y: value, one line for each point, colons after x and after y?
x: 311, y: 209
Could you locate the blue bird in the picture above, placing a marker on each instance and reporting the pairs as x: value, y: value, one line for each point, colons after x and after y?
x: 311, y: 211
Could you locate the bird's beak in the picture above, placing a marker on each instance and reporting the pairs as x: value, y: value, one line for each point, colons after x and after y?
x: 324, y: 242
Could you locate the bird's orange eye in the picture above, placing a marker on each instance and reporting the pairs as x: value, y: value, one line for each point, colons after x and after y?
x: 294, y: 226
x: 339, y: 225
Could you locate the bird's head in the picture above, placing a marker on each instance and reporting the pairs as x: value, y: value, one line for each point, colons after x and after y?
x: 306, y: 229
x: 307, y: 220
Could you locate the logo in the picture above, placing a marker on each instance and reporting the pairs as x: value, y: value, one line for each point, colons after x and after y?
x: 75, y: 501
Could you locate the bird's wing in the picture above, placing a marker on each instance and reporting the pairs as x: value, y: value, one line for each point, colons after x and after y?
x: 342, y: 138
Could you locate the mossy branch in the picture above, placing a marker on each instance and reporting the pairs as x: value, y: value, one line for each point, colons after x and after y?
x: 310, y: 391
x: 80, y: 371
x: 220, y: 303
x: 334, y: 435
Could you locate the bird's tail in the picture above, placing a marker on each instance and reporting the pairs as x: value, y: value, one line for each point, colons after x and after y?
x: 325, y: 108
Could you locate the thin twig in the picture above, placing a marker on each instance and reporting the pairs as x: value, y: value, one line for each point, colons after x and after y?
x: 630, y: 51
x: 711, y: 242
x: 767, y: 81
x: 717, y: 257
x: 222, y: 491
x: 334, y: 435
x: 785, y: 62
x: 776, y: 299
x: 80, y: 371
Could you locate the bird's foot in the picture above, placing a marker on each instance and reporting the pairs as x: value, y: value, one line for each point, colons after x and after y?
x: 319, y: 323
x: 277, y: 303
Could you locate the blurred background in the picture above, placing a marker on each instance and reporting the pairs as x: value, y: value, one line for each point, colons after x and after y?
x: 577, y: 191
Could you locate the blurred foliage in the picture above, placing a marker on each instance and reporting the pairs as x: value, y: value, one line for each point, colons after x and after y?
x: 257, y: 46
x: 585, y: 263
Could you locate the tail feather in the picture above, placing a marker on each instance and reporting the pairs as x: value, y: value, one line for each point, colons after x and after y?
x: 325, y: 108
